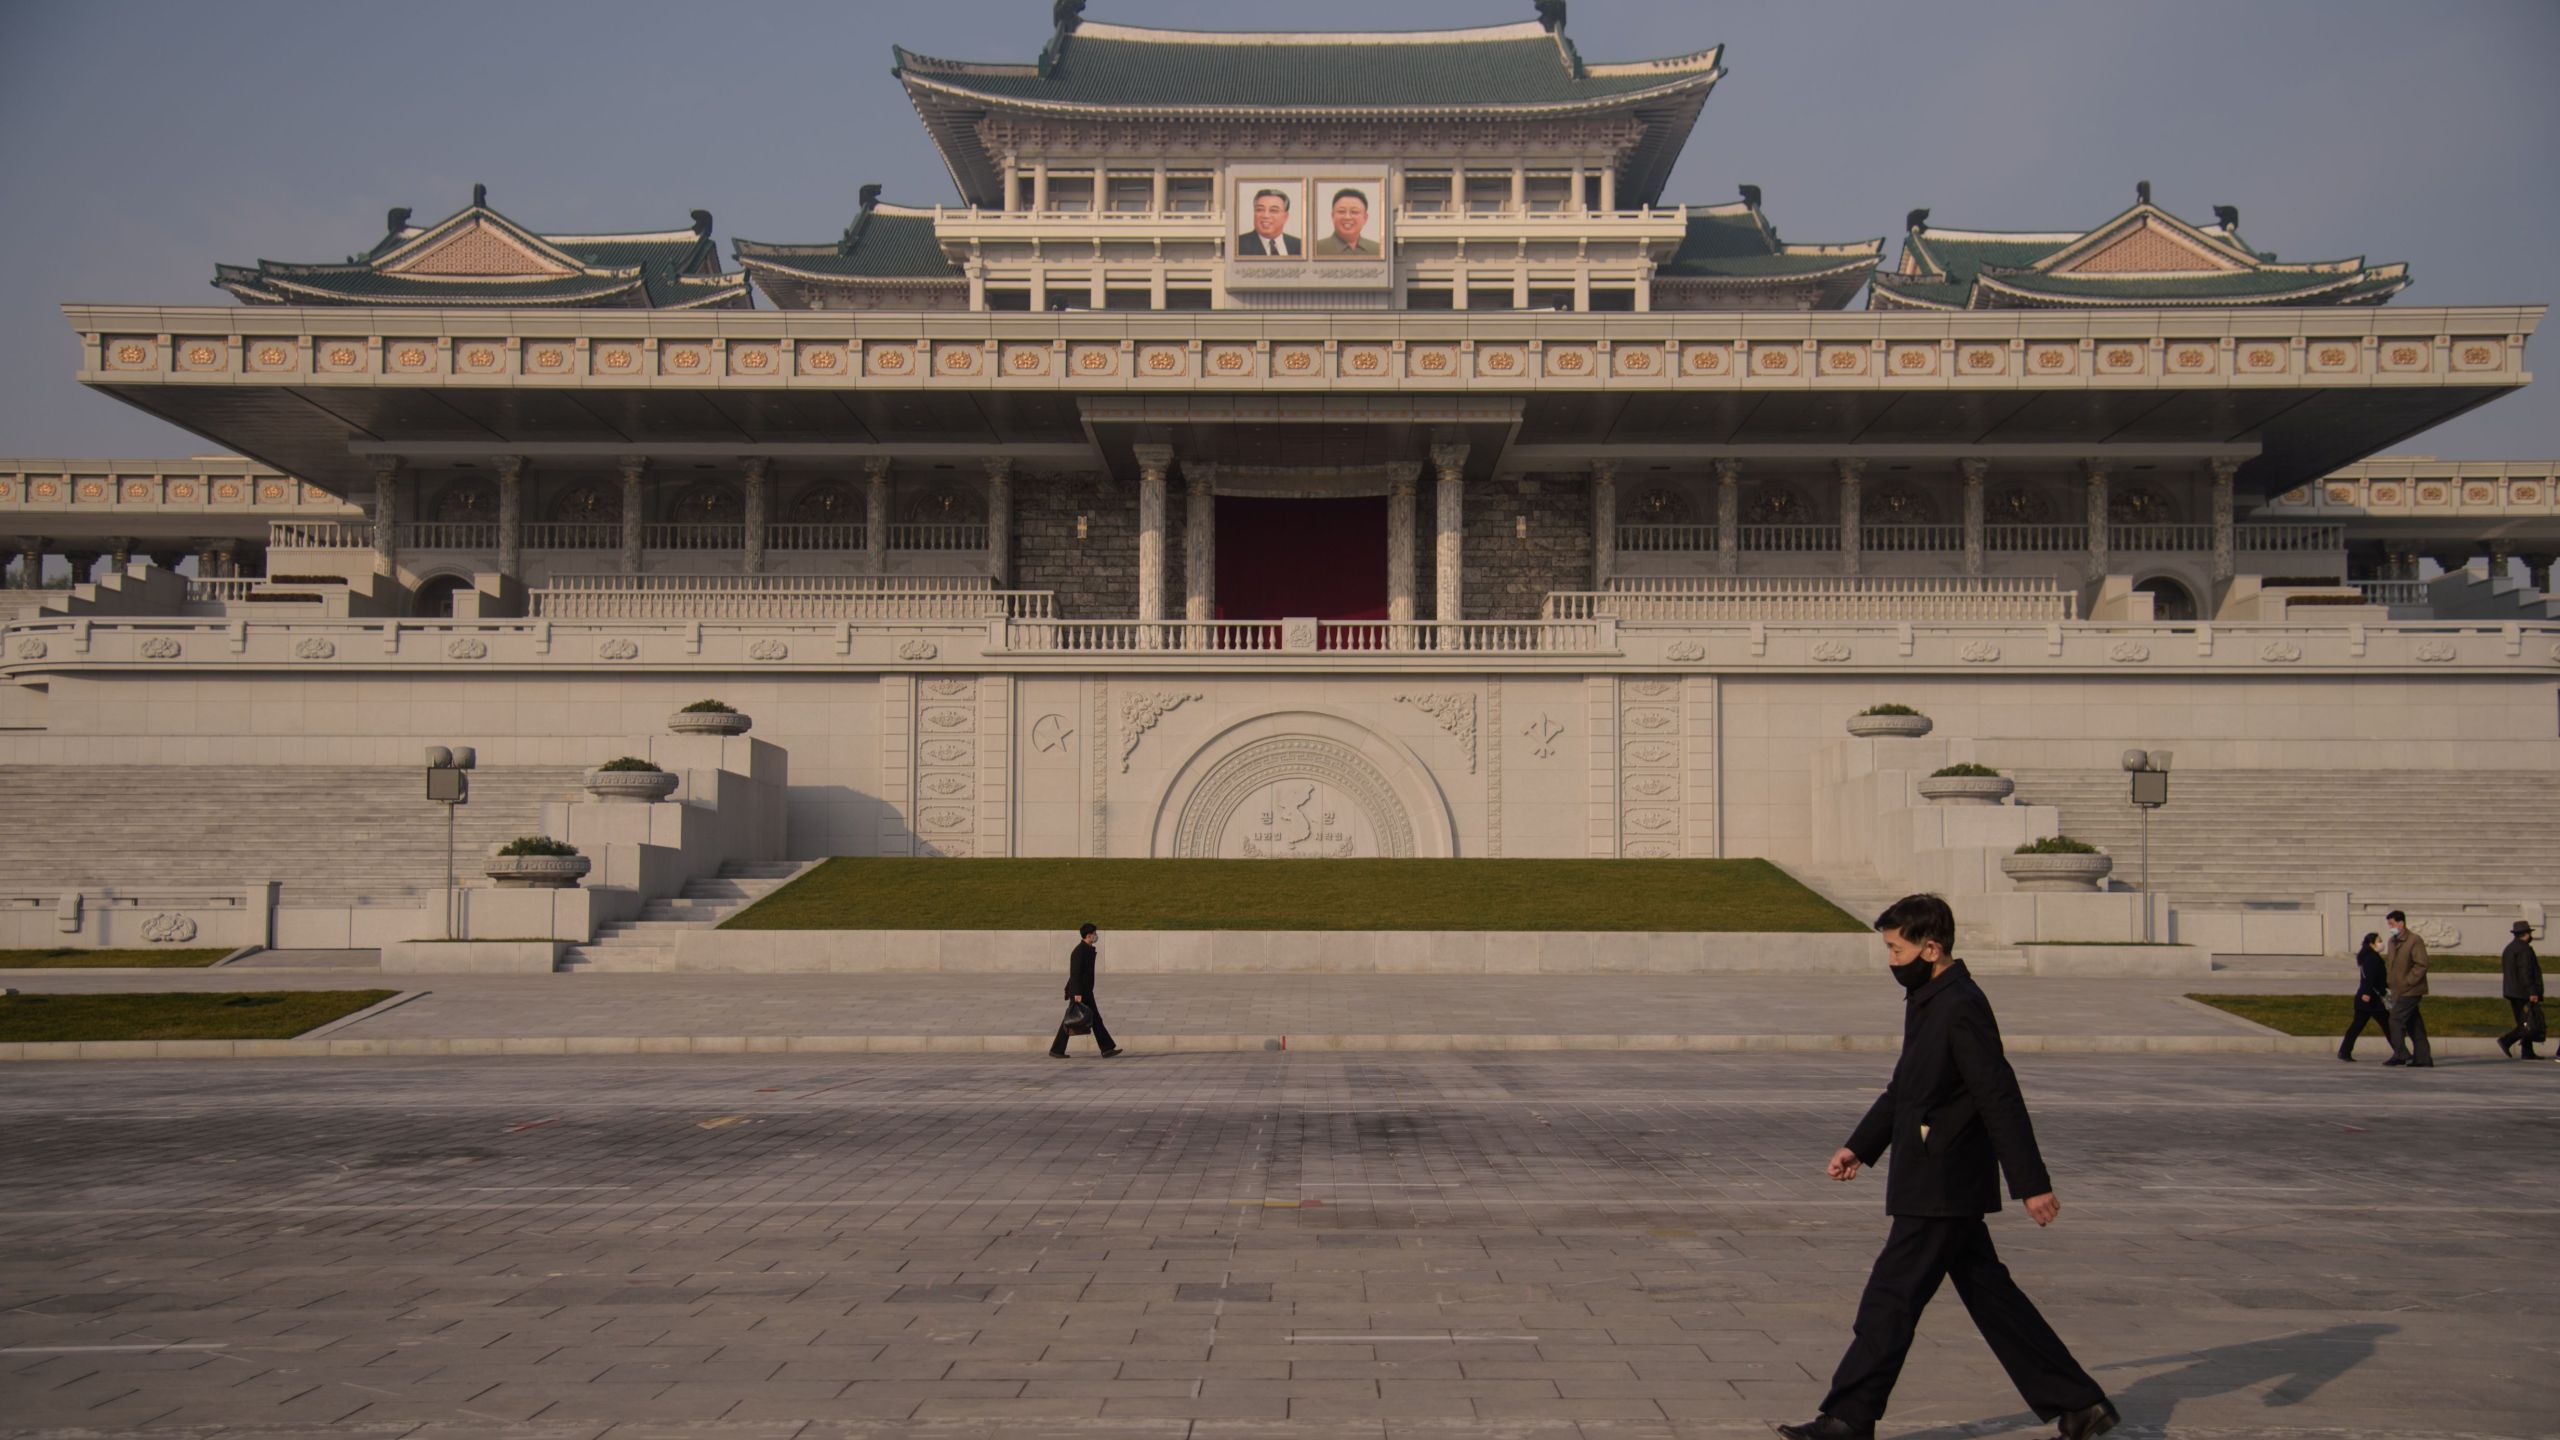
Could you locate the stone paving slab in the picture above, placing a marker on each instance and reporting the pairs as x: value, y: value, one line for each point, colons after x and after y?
x: 1585, y: 1247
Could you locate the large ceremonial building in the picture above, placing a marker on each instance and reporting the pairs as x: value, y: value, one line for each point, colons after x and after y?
x: 1295, y: 445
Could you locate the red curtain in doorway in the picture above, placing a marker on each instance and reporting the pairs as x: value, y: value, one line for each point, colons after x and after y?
x: 1326, y: 558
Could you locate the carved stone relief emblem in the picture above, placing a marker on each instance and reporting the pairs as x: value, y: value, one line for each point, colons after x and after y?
x: 2128, y: 652
x: 948, y: 752
x: 2435, y: 652
x: 1050, y: 733
x: 1456, y: 714
x: 2279, y: 652
x: 946, y: 786
x: 314, y: 647
x: 1978, y: 652
x: 948, y: 719
x: 160, y: 647
x: 948, y: 689
x: 768, y: 649
x: 468, y: 647
x: 918, y: 650
x: 36, y: 650
x: 1542, y: 733
x: 1685, y: 652
x: 168, y: 928
x: 1293, y: 797
x: 618, y: 648
x: 1139, y: 712
x: 1830, y: 652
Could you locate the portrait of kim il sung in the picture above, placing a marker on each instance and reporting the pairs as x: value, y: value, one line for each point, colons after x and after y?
x: 1272, y: 208
x: 1352, y: 228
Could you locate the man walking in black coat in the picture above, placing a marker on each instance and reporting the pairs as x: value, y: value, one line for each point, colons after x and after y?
x: 2373, y: 1007
x: 1954, y: 1119
x: 1080, y: 990
x: 2520, y: 981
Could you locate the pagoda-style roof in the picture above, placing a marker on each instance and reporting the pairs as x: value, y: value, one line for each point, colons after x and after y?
x: 887, y: 247
x: 1091, y: 70
x: 477, y: 257
x: 1733, y: 254
x: 2144, y: 257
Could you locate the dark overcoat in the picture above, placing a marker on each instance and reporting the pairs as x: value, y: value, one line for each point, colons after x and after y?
x: 2371, y: 978
x: 2520, y: 971
x: 1953, y: 1078
x: 1080, y: 971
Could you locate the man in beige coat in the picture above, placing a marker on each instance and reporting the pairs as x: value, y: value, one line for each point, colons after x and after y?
x: 2404, y: 964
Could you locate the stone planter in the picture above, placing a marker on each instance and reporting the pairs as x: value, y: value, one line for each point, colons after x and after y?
x: 2057, y: 872
x: 1967, y: 789
x: 538, y: 872
x: 636, y: 787
x: 1867, y: 727
x: 709, y: 722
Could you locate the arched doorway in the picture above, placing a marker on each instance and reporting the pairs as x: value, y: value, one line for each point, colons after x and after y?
x: 2170, y: 599
x: 434, y: 600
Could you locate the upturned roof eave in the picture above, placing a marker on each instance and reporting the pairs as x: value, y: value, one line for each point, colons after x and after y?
x: 1526, y: 109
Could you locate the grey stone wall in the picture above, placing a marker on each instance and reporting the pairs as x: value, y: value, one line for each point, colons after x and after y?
x: 1507, y: 577
x: 1095, y: 578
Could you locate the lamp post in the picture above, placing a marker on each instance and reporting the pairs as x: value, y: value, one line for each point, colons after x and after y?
x: 2149, y: 772
x: 449, y: 785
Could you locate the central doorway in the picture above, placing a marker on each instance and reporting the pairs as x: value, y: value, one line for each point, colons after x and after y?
x: 1321, y: 557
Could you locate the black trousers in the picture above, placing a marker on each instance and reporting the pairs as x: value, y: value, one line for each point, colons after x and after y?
x: 2372, y: 1012
x: 2519, y: 1032
x: 1920, y: 1252
x: 1101, y: 1032
x: 2408, y: 1030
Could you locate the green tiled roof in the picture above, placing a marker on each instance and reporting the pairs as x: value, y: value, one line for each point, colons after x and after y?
x: 1995, y: 270
x: 660, y: 270
x: 885, y: 244
x: 1735, y: 248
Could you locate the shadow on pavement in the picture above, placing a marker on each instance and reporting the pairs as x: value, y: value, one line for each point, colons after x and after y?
x: 2294, y: 1366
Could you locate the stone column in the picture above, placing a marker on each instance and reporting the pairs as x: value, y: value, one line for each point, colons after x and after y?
x: 1609, y: 187
x: 755, y: 479
x: 510, y: 519
x: 1400, y: 507
x: 875, y: 514
x: 31, y: 562
x: 1199, y: 547
x: 1449, y: 536
x: 1728, y: 516
x: 2542, y: 572
x: 1000, y: 518
x: 1853, y: 537
x: 635, y: 513
x: 386, y: 516
x: 1604, y: 523
x: 1974, y: 472
x: 2223, y: 473
x: 1153, y: 463
x: 2094, y: 474
x: 119, y: 554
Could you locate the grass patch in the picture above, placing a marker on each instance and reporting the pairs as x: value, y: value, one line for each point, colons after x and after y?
x: 2446, y: 1015
x: 1669, y: 895
x: 209, y: 1015
x: 2462, y: 965
x: 61, y: 958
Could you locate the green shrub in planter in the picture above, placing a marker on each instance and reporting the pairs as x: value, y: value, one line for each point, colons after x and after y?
x: 1967, y: 770
x: 709, y: 707
x: 536, y: 845
x: 2057, y: 845
x: 630, y: 762
x: 1888, y: 710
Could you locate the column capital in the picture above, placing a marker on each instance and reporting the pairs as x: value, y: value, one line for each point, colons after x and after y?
x: 2095, y: 469
x: 1200, y: 482
x: 388, y: 467
x: 1851, y: 470
x: 1153, y: 460
x: 1604, y: 471
x: 1450, y: 460
x: 1000, y: 468
x: 876, y: 467
x: 755, y: 467
x: 632, y: 466
x: 1728, y: 470
x: 2224, y: 468
x: 1405, y: 480
x: 509, y: 467
x: 1974, y: 468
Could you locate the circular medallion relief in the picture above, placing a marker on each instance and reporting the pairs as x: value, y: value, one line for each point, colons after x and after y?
x: 1294, y: 797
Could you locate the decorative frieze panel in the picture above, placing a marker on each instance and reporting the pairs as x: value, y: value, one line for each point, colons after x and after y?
x: 1651, y: 767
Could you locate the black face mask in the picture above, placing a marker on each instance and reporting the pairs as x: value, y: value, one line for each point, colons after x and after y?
x: 1914, y: 975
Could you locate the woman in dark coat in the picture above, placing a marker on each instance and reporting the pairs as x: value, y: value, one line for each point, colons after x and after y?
x: 2520, y: 981
x: 2373, y: 997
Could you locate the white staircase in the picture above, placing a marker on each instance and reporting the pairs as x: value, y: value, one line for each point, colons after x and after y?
x: 2472, y: 593
x: 648, y: 943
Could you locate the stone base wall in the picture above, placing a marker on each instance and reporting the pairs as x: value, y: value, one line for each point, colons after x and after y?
x: 1507, y: 577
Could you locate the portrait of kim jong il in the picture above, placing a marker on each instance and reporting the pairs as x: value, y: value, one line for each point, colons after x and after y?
x: 1349, y: 237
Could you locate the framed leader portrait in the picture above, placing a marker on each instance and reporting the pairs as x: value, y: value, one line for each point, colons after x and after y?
x: 1274, y: 216
x: 1349, y: 223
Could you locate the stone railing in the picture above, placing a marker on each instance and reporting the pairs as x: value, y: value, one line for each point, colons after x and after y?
x: 1911, y: 539
x: 781, y: 597
x: 222, y: 590
x: 2266, y: 538
x: 1310, y: 637
x: 1796, y: 539
x: 1818, y: 597
x: 2396, y: 593
x: 571, y: 535
x: 554, y: 535
x: 320, y: 535
x: 2038, y: 536
x: 1642, y: 539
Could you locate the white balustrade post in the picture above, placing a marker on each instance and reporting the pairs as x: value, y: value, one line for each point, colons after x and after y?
x: 635, y: 513
x: 386, y: 516
x: 2224, y: 472
x: 1000, y: 520
x: 2094, y: 473
x: 875, y: 514
x: 1604, y: 523
x: 1852, y: 514
x: 1449, y: 461
x: 756, y: 483
x: 1728, y: 516
x: 1154, y: 461
x: 1975, y: 472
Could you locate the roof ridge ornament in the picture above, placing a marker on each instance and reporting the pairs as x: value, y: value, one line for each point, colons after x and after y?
x: 1917, y: 220
x: 1551, y: 14
x: 2141, y: 192
x: 2228, y: 217
x: 702, y: 223
x: 1064, y: 15
x: 396, y: 220
x: 480, y: 197
x: 1750, y: 198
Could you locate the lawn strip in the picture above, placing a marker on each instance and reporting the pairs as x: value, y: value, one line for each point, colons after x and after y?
x: 63, y: 958
x: 200, y: 1015
x: 2446, y: 1015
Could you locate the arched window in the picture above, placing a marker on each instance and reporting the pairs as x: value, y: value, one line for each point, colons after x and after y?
x: 592, y: 501
x: 1777, y: 503
x: 1660, y: 505
x: 827, y: 503
x: 710, y: 502
x: 435, y: 597
x: 942, y: 502
x: 464, y: 501
x: 2170, y: 599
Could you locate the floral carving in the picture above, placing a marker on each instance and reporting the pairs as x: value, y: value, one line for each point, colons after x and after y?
x: 271, y: 355
x: 469, y: 647
x: 1652, y: 787
x: 1652, y: 819
x: 822, y: 361
x: 1365, y: 362
x: 889, y: 362
x: 1651, y: 752
x: 1978, y: 652
x: 947, y: 689
x: 948, y: 719
x: 314, y: 647
x: 1684, y: 651
x: 31, y: 649
x: 342, y: 356
x: 2435, y: 652
x: 946, y: 819
x: 1830, y: 652
x: 1651, y: 719
x: 1456, y: 713
x: 946, y: 786
x: 159, y: 647
x: 769, y: 649
x: 168, y: 928
x: 2128, y: 652
x: 1139, y: 712
x: 947, y: 752
x: 2279, y: 652
x: 620, y: 647
x: 918, y: 650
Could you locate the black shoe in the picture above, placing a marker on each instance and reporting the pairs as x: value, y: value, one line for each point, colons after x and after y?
x: 1057, y: 1054
x: 2394, y: 1060
x: 2506, y: 1047
x: 2422, y: 1064
x: 2525, y: 1052
x: 1111, y: 1054
x: 2343, y: 1055
x: 2083, y: 1424
x: 1828, y: 1427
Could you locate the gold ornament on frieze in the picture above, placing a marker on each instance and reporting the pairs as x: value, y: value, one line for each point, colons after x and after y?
x: 1706, y: 362
x: 1298, y: 362
x: 1502, y: 362
x: 1982, y: 360
x: 1094, y: 362
x: 1431, y: 362
x: 1367, y: 362
x: 2259, y: 358
x: 888, y: 362
x: 182, y: 491
x: 754, y: 361
x: 1165, y: 362
x: 2342, y: 495
x: 2478, y: 355
x: 226, y: 491
x: 550, y: 357
x: 93, y: 491
x: 2431, y: 494
x: 131, y: 355
x: 1029, y: 362
x: 2403, y: 355
x: 1569, y: 362
x: 2386, y: 494
x: 412, y: 358
x: 1776, y: 361
x: 1230, y: 362
x: 684, y: 359
x: 2475, y: 494
x: 1911, y: 359
x: 271, y: 492
x: 2331, y: 357
x: 2121, y: 357
x: 958, y: 362
x: 2053, y: 359
x: 821, y: 361
x: 137, y: 492
x: 342, y: 357
x: 2528, y: 493
x: 2191, y: 357
x: 1637, y: 362
x: 46, y: 490
x: 480, y: 357
x: 271, y: 355
x: 1842, y: 362
x: 200, y: 356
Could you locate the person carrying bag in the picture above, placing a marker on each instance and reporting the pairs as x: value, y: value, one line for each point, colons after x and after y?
x: 1084, y: 1015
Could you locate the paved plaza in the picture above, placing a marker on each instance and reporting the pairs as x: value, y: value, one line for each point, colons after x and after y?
x: 1519, y: 1247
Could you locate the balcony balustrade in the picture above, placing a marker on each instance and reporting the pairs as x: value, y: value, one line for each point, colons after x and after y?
x: 1280, y: 637
x: 782, y: 597
x: 1818, y: 597
x: 1911, y: 539
x: 572, y: 535
x: 1658, y: 539
x: 1793, y: 539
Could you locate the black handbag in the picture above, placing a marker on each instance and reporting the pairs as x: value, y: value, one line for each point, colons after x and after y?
x: 2534, y: 1034
x: 1078, y: 1020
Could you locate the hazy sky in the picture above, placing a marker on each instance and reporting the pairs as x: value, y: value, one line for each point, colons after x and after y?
x: 146, y: 141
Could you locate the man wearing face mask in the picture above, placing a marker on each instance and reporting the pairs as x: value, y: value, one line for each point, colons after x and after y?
x: 1955, y: 1121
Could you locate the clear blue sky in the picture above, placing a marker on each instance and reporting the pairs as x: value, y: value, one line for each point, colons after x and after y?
x: 146, y: 141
